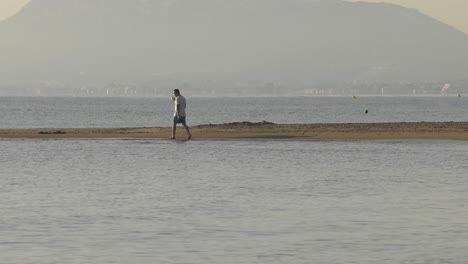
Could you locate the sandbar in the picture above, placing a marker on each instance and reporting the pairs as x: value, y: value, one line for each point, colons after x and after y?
x: 313, y: 131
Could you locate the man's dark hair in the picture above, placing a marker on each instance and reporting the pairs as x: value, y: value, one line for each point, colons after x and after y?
x: 176, y: 91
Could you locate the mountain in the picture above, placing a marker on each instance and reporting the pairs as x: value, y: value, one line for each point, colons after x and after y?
x: 293, y: 41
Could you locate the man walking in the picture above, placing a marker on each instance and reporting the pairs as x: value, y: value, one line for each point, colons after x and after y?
x: 179, y: 116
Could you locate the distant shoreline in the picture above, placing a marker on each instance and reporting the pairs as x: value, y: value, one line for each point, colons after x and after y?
x: 360, y: 131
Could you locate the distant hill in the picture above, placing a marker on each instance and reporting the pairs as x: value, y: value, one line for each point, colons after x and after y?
x: 293, y: 41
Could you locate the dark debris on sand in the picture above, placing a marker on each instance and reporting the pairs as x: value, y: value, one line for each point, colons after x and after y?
x: 242, y: 124
x: 58, y: 132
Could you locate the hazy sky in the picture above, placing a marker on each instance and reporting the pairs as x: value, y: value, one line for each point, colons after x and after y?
x: 452, y: 12
x: 10, y: 7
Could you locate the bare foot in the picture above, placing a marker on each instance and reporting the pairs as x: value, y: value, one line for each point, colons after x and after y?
x: 172, y: 138
x: 189, y: 136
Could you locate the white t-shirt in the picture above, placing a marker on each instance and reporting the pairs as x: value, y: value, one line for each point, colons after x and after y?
x: 180, y: 100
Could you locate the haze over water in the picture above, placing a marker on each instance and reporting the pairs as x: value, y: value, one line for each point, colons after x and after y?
x: 230, y: 201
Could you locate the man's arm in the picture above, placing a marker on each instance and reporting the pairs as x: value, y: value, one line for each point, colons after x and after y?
x: 178, y: 110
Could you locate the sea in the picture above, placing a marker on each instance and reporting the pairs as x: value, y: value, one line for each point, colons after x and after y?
x: 232, y: 200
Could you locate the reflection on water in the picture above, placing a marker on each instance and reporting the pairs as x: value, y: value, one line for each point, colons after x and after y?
x: 233, y: 201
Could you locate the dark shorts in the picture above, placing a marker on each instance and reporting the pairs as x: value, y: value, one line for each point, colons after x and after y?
x: 179, y: 120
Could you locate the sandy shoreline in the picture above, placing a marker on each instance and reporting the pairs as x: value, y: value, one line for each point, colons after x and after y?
x: 417, y: 130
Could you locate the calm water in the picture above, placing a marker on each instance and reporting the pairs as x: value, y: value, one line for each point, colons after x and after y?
x: 233, y: 201
x: 37, y: 112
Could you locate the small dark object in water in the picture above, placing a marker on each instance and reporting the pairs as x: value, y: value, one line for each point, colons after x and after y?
x: 367, y: 111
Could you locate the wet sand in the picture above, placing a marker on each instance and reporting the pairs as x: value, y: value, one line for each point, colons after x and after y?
x: 417, y: 130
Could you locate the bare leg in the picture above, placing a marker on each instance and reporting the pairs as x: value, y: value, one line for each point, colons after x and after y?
x: 174, y: 127
x: 189, y: 136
